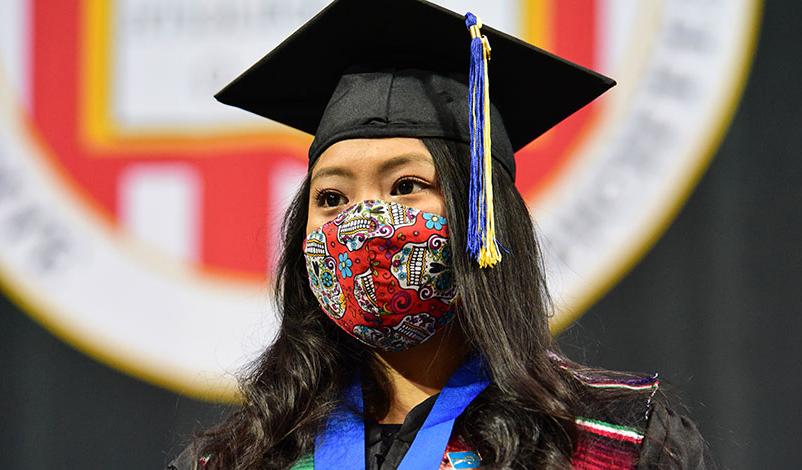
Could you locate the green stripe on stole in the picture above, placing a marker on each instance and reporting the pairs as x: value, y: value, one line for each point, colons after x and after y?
x: 305, y: 463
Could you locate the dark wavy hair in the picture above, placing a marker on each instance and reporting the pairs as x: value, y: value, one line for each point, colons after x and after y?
x: 524, y: 419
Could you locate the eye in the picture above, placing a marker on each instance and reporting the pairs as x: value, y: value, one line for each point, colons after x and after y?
x: 408, y: 186
x: 329, y: 198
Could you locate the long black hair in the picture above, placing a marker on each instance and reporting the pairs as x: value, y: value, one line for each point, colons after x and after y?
x: 524, y: 419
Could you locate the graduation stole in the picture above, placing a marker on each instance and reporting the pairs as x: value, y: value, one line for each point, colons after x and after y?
x: 342, y: 443
x: 607, y: 439
x: 604, y: 443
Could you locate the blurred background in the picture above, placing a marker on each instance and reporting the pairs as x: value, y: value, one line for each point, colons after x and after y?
x: 138, y: 216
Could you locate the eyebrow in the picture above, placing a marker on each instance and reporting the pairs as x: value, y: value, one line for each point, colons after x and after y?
x: 332, y: 171
x: 389, y: 164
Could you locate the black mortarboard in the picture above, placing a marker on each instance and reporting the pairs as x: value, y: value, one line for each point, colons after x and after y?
x: 400, y: 68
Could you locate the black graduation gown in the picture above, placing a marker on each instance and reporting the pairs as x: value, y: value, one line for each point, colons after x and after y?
x: 672, y: 441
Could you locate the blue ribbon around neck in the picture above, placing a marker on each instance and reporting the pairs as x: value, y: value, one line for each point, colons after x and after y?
x: 342, y: 443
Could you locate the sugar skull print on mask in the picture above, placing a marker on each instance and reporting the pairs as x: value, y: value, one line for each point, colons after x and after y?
x: 382, y: 272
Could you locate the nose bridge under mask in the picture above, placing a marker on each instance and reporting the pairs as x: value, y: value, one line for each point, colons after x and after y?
x: 370, y: 192
x: 382, y: 272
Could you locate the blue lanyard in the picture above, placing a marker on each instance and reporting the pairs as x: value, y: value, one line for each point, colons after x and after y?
x: 342, y: 443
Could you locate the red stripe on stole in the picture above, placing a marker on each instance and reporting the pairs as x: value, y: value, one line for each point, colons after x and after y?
x: 601, y: 453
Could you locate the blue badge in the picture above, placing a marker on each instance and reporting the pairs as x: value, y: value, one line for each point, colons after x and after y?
x: 467, y: 459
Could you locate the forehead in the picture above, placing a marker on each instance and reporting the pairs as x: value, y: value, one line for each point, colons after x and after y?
x: 363, y: 154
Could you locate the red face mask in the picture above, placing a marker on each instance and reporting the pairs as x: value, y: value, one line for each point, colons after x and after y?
x: 382, y: 272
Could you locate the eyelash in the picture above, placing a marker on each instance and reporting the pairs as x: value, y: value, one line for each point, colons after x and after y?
x: 414, y: 179
x: 320, y: 194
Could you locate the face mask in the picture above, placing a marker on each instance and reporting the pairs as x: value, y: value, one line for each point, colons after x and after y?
x: 382, y: 272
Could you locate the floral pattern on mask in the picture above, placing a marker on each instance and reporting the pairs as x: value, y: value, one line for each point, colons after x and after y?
x: 387, y: 267
x: 413, y: 329
x: 322, y: 275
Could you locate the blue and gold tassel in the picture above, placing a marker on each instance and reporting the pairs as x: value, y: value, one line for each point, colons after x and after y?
x: 482, y: 244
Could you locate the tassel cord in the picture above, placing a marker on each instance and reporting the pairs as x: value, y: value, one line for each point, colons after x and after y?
x: 481, y: 244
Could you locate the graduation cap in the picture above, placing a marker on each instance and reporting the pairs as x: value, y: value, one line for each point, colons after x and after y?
x: 409, y: 68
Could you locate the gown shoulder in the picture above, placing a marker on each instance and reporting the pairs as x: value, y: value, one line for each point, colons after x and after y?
x: 630, y: 417
x: 673, y: 441
x: 187, y: 460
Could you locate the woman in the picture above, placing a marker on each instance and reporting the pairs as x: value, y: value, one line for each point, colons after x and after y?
x: 414, y: 310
